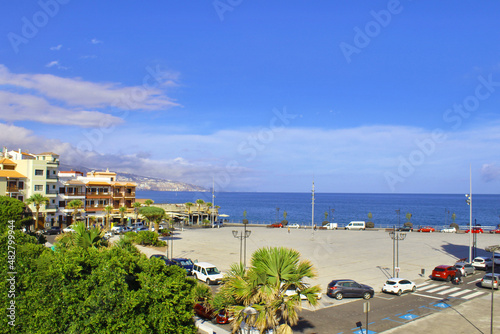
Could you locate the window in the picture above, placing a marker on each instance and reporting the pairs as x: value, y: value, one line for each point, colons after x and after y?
x: 38, y: 187
x: 38, y: 171
x: 20, y: 185
x: 62, y: 204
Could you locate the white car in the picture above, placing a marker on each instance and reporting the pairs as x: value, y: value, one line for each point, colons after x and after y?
x: 398, y: 286
x: 207, y: 273
x: 449, y: 230
x: 480, y: 262
x: 68, y: 229
x: 292, y: 291
x: 294, y: 226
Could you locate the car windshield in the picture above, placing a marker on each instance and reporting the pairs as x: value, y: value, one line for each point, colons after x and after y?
x: 213, y: 271
x: 439, y: 269
x: 186, y: 262
x: 390, y: 282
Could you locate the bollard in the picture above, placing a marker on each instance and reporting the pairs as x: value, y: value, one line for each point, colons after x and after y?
x: 422, y: 272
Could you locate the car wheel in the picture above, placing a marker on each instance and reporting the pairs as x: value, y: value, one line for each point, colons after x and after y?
x: 208, y: 281
x: 367, y: 295
x: 399, y: 293
x: 339, y: 296
x: 465, y: 275
x: 448, y: 279
x: 414, y: 288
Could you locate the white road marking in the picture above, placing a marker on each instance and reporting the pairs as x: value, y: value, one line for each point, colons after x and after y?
x: 438, y: 288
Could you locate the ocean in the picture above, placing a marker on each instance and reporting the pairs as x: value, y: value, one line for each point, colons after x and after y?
x: 265, y: 208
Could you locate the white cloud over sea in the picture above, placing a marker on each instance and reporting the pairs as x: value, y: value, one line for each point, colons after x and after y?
x: 343, y: 160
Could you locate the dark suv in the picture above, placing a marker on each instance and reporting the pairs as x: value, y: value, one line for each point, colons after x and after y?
x: 341, y: 288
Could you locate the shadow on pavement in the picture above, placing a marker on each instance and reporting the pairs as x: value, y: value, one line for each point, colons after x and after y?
x: 302, y: 325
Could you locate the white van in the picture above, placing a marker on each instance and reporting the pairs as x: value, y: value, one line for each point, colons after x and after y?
x: 207, y: 272
x: 356, y: 226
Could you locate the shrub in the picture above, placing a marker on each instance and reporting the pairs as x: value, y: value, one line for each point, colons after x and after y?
x: 149, y: 238
x: 408, y: 224
x: 284, y: 222
x: 325, y: 222
x: 455, y: 225
x: 370, y: 225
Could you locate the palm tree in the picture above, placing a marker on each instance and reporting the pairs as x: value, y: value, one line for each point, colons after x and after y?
x: 37, y: 200
x: 273, y: 271
x: 83, y: 237
x: 136, y: 207
x: 189, y: 205
x: 108, y: 210
x: 75, y: 205
x: 199, y: 202
x: 122, y: 210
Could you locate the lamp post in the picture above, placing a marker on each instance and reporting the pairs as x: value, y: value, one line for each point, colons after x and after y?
x: 469, y: 203
x: 396, y: 236
x: 241, y: 236
x: 492, y: 249
x: 249, y: 311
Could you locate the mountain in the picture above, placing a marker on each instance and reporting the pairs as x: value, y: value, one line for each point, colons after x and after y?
x: 143, y: 182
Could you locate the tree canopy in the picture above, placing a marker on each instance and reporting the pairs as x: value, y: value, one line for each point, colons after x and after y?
x: 10, y: 209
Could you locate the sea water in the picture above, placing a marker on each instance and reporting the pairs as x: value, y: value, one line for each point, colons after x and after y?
x: 265, y: 208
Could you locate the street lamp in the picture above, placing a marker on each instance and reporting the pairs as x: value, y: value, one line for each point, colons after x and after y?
x: 396, y: 236
x: 492, y: 249
x: 249, y: 311
x: 241, y: 236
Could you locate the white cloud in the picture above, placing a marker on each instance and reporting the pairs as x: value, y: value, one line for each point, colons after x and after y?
x: 57, y: 64
x: 95, y: 41
x: 56, y: 48
x: 86, y: 94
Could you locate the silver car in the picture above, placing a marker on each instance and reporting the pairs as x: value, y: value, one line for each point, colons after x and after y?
x: 466, y: 268
x: 487, y: 282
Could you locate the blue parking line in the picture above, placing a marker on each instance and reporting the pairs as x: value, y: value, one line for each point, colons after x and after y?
x: 399, y: 322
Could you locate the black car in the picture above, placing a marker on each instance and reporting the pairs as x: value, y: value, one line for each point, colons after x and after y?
x: 341, y: 288
x: 52, y: 230
x: 406, y: 228
x: 184, y: 263
x: 164, y: 258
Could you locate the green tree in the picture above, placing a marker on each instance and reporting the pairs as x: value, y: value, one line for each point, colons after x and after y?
x: 122, y: 211
x: 90, y: 290
x: 136, y: 207
x: 199, y: 203
x: 408, y: 217
x: 148, y: 202
x: 272, y: 272
x: 108, y: 209
x: 153, y: 215
x: 82, y: 237
x: 245, y: 220
x: 11, y: 209
x: 75, y: 205
x: 37, y: 200
x: 189, y: 205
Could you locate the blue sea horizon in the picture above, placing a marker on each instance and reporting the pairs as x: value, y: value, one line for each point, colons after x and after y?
x: 265, y: 208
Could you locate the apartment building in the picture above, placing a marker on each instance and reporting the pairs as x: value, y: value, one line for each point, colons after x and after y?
x: 12, y: 182
x: 41, y: 172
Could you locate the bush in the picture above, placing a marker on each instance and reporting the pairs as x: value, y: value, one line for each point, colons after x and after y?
x: 455, y: 225
x: 149, y: 238
x: 284, y: 222
x: 408, y: 224
x: 370, y: 225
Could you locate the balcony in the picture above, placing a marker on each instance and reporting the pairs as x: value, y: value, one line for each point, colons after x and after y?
x: 51, y: 192
x: 124, y: 194
x: 14, y: 189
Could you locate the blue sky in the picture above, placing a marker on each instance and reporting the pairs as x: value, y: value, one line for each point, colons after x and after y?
x: 362, y: 96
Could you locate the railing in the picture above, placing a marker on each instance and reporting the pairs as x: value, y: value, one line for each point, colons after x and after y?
x: 124, y: 194
x: 77, y: 193
x: 13, y: 189
x: 51, y: 192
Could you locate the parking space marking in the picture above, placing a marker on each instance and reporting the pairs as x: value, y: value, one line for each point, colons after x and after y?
x: 472, y: 295
x: 425, y: 287
x: 438, y: 288
x: 450, y: 290
x: 427, y: 296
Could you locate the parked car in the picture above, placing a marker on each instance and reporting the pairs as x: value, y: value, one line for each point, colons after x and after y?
x: 426, y: 229
x: 140, y: 229
x: 52, y: 230
x: 292, y: 290
x: 275, y: 225
x: 355, y: 225
x: 480, y: 262
x: 475, y: 230
x: 496, y: 231
x: 466, y: 268
x: 120, y: 229
x: 489, y: 262
x: 406, y: 229
x: 207, y: 273
x: 444, y: 272
x: 339, y: 289
x: 68, y: 229
x: 219, y: 223
x: 294, y: 226
x: 331, y: 226
x: 449, y: 230
x: 398, y: 286
x: 489, y: 280
x: 185, y: 264
x: 165, y: 259
x: 108, y: 234
x: 206, y: 312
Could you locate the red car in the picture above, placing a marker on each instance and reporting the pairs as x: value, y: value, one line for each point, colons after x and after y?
x: 426, y: 229
x: 475, y: 230
x: 275, y: 225
x: 221, y: 317
x: 497, y: 231
x: 444, y: 272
